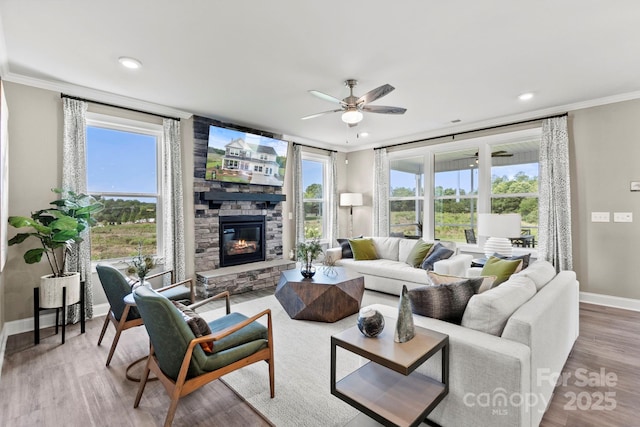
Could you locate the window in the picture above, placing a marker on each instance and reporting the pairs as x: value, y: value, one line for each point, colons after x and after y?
x: 123, y: 171
x: 514, y: 183
x: 315, y: 187
x: 406, y: 198
x: 497, y: 173
x: 455, y: 194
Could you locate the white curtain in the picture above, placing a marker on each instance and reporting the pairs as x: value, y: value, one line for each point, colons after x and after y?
x: 298, y: 205
x: 74, y: 178
x: 333, y: 199
x: 381, y: 193
x: 555, y: 196
x: 172, y: 200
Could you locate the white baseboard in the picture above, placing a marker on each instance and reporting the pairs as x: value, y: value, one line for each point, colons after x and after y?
x: 46, y: 320
x: 610, y: 301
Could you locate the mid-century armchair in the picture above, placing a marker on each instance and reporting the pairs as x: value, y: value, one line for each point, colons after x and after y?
x: 124, y: 316
x: 177, y: 357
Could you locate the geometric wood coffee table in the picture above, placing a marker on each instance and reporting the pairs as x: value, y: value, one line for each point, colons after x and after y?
x: 324, y: 297
x: 388, y: 389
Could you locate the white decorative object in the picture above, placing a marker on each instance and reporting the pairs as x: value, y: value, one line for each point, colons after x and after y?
x: 51, y: 290
x: 498, y: 228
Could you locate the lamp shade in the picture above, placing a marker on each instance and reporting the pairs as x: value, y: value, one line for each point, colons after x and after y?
x: 499, y: 225
x: 351, y: 199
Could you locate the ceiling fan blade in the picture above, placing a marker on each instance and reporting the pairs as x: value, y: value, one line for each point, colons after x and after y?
x: 502, y: 155
x: 326, y: 97
x: 383, y: 109
x: 352, y: 125
x: 319, y: 114
x: 374, y: 94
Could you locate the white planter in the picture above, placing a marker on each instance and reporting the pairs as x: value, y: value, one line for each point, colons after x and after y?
x: 51, y: 290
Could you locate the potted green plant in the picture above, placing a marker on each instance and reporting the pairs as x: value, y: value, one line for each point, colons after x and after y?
x: 58, y: 229
x: 307, y: 253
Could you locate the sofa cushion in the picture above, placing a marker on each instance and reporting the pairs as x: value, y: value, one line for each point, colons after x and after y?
x: 525, y: 259
x: 387, y: 247
x: 418, y: 253
x: 501, y: 268
x: 541, y: 272
x: 446, y: 301
x: 387, y: 269
x: 438, y: 252
x: 363, y: 249
x: 346, y: 248
x: 440, y: 279
x: 489, y: 311
x: 405, y: 246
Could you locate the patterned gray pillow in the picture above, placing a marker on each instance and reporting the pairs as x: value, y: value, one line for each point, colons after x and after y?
x: 446, y: 301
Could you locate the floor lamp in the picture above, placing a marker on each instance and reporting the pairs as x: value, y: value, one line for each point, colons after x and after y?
x: 351, y: 200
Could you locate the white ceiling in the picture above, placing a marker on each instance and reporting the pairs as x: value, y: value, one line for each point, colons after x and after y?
x: 253, y: 62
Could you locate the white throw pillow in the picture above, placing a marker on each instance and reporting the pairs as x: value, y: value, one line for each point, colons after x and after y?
x: 540, y: 272
x: 387, y: 247
x: 489, y: 311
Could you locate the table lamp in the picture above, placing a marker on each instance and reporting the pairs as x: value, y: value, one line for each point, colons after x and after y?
x: 498, y: 228
x: 351, y: 200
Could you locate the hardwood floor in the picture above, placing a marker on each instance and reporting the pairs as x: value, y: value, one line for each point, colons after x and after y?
x: 53, y: 385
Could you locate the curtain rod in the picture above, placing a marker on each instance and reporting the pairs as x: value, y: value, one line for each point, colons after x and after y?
x: 64, y: 95
x: 317, y: 148
x: 453, y: 135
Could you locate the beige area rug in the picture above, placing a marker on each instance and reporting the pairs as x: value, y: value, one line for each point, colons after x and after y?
x: 302, y: 368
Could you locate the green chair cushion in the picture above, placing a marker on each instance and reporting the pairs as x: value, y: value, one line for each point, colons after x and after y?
x: 178, y: 293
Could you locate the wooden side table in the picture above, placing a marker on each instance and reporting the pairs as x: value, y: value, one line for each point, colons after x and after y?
x: 387, y: 388
x: 37, y: 309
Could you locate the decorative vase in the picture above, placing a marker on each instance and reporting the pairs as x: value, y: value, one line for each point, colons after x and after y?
x: 370, y: 322
x: 51, y: 290
x: 307, y: 271
x: 405, y: 329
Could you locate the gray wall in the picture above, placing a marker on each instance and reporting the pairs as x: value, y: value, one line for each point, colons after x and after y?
x: 606, y: 157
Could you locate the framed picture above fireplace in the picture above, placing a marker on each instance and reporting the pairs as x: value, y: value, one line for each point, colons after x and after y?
x: 246, y: 158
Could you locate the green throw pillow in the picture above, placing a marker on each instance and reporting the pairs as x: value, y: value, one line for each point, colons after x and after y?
x: 501, y: 268
x: 363, y: 249
x: 418, y: 253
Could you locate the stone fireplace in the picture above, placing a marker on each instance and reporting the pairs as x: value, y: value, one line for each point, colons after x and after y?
x: 216, y: 203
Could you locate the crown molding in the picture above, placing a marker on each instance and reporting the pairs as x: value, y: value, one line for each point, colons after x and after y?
x: 97, y: 95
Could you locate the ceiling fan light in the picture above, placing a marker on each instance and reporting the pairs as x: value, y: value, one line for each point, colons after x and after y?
x: 352, y: 116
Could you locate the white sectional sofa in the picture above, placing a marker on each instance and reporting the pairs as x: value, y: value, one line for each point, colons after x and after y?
x: 389, y: 272
x: 506, y: 379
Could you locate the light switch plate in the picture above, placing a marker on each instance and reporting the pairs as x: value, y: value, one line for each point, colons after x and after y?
x: 600, y: 217
x: 622, y: 217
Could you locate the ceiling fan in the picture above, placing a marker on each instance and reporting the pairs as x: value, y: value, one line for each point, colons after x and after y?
x: 499, y: 153
x: 352, y: 106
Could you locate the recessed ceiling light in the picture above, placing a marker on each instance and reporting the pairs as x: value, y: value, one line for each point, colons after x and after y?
x: 363, y: 134
x: 132, y: 63
x: 525, y: 96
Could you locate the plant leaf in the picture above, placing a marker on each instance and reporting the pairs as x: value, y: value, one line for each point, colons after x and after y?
x: 33, y: 256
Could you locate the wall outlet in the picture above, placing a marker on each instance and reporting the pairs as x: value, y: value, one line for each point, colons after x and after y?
x: 600, y: 217
x: 622, y: 217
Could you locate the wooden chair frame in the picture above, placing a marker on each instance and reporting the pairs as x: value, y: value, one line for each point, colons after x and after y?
x: 183, y: 386
x: 123, y: 324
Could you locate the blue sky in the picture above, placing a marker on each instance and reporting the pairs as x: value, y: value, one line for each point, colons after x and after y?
x: 120, y: 161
